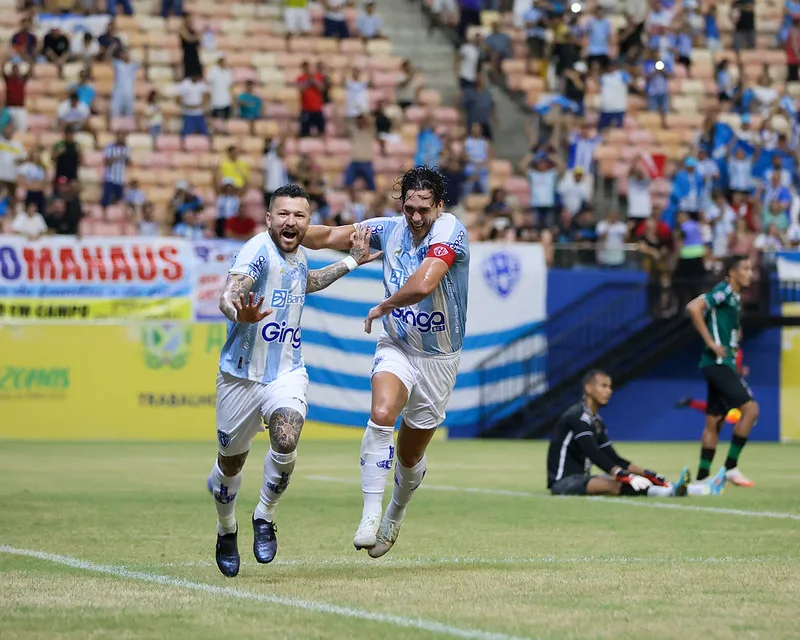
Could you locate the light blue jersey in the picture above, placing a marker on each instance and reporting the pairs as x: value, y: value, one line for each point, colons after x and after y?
x: 435, y: 325
x: 272, y: 348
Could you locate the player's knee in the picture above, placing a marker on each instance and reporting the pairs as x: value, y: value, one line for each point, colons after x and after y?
x: 231, y: 465
x: 285, y: 426
x: 751, y: 410
x: 383, y: 416
x: 409, y: 459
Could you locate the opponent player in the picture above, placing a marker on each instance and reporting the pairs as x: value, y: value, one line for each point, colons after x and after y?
x: 261, y: 371
x: 716, y: 317
x: 580, y: 440
x: 425, y: 274
x: 733, y: 416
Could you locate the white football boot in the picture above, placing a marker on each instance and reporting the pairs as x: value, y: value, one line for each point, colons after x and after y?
x: 387, y: 535
x: 366, y: 533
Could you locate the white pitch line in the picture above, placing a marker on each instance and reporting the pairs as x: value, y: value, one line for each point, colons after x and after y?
x: 294, y: 603
x: 638, y: 502
x: 632, y: 501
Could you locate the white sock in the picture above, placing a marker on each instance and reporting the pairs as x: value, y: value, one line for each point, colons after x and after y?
x: 278, y: 469
x: 406, y: 481
x: 659, y: 492
x: 377, y: 453
x: 224, y: 489
x: 698, y: 489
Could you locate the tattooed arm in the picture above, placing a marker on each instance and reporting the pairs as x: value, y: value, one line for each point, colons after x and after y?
x: 236, y: 287
x: 318, y: 279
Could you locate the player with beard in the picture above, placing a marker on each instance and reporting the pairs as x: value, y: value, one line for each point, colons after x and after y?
x: 262, y: 379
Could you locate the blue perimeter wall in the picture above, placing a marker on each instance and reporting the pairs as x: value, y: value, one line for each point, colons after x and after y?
x: 645, y: 408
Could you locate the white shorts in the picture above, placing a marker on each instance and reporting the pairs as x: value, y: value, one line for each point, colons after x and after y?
x: 429, y: 381
x: 297, y: 20
x: 245, y: 406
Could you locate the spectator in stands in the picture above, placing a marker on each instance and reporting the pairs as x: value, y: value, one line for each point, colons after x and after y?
x: 611, y: 233
x: 362, y: 139
x: 498, y: 46
x: 722, y: 77
x: 468, y: 62
x: 574, y: 190
x: 711, y: 31
x: 250, y: 105
x: 111, y: 6
x: 765, y: 94
x: 470, y: 16
x: 479, y: 107
x: 145, y: 223
x: 687, y: 191
x: 190, y: 44
x: 793, y: 235
x: 135, y: 200
x: 614, y: 83
x: 317, y: 189
x: 429, y: 144
x: 12, y: 155
x: 368, y: 23
x: 193, y: 97
x: 296, y: 17
x: 409, y: 85
x: 775, y: 202
x: 478, y: 153
x: 657, y: 74
x: 543, y: 174
x: 109, y: 42
x: 240, y: 226
x: 86, y: 92
x: 722, y: 218
x: 74, y: 113
x: 117, y: 159
x: 536, y: 32
x: 59, y: 220
x: 744, y: 36
x: 455, y: 178
x: 33, y: 175
x: 383, y: 126
x: 740, y: 171
x: 769, y: 242
x: 228, y: 206
x: 356, y: 99
x: 354, y: 208
x: 123, y: 94
x: 171, y: 7
x: 583, y: 144
x: 629, y: 38
x: 66, y: 156
x: 443, y: 13
x: 274, y: 168
x: 334, y: 19
x: 792, y: 48
x: 24, y: 42
x: 690, y: 247
x: 184, y: 203
x: 29, y: 223
x: 191, y: 226
x: 311, y: 102
x: 232, y: 166
x: 599, y: 37
x: 326, y: 83
x: 84, y: 49
x: 575, y: 86
x: 220, y: 81
x: 154, y: 117
x: 640, y: 206
x: 784, y: 175
x: 582, y: 232
x: 16, y: 83
x: 56, y: 48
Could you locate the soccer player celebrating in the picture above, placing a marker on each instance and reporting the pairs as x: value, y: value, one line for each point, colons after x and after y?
x: 261, y: 372
x: 716, y: 316
x: 580, y: 440
x: 426, y: 275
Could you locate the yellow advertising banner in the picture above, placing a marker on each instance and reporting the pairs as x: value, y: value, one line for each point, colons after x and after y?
x: 94, y: 309
x: 153, y: 381
x: 790, y: 377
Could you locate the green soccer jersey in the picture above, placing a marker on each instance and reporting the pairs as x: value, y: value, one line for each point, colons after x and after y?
x: 723, y: 307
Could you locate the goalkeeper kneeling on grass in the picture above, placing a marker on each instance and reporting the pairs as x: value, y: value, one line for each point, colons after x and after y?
x: 581, y: 440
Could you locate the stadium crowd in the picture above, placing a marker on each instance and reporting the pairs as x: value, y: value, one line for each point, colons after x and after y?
x: 664, y: 129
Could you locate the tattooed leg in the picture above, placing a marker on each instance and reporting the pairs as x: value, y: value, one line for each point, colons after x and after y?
x: 285, y: 426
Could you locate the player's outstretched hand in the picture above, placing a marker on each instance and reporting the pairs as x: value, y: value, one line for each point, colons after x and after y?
x: 656, y: 478
x: 374, y: 314
x: 637, y: 483
x: 248, y: 311
x: 359, y: 246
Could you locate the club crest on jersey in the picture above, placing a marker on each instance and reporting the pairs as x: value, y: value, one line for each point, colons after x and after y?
x: 440, y: 252
x: 397, y: 277
x: 224, y: 439
x: 502, y: 271
x: 282, y: 298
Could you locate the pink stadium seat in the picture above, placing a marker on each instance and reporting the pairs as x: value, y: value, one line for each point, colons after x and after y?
x: 195, y: 144
x: 167, y: 142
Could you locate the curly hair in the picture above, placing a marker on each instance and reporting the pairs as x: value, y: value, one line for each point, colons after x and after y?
x: 423, y: 178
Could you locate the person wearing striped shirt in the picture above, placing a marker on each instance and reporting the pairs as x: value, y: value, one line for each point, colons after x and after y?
x: 582, y: 146
x: 580, y: 440
x: 657, y: 73
x: 682, y: 46
x: 117, y: 158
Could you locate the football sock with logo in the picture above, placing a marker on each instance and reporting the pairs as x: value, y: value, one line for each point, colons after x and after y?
x: 224, y: 489
x: 737, y: 444
x: 377, y: 453
x: 706, y: 458
x: 406, y: 482
x: 278, y: 469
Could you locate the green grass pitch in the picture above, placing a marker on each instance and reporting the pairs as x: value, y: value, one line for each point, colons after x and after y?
x: 484, y: 553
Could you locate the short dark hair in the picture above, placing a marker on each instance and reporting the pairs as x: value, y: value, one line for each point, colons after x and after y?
x: 732, y: 262
x: 423, y: 178
x: 591, y: 374
x: 290, y: 190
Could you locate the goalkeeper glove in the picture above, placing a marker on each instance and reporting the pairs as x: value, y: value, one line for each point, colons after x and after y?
x: 637, y: 483
x: 656, y: 478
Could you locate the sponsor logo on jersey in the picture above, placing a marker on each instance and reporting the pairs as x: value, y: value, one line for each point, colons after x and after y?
x: 274, y: 332
x: 255, y: 267
x: 397, y: 277
x: 282, y: 298
x: 502, y: 271
x: 424, y: 322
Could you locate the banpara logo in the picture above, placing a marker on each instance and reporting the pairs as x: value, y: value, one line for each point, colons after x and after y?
x: 166, y: 346
x: 502, y: 271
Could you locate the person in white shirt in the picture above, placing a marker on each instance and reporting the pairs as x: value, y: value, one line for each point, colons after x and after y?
x: 409, y: 85
x: 793, y: 235
x: 769, y: 242
x: 12, y: 154
x: 722, y: 218
x: 193, y: 96
x: 296, y: 17
x: 84, y: 48
x: 74, y: 113
x: 148, y: 226
x: 334, y: 19
x: 368, y: 22
x: 640, y: 206
x: 274, y: 167
x: 123, y: 95
x: 543, y: 174
x: 614, y: 83
x: 574, y: 190
x: 468, y: 62
x: 611, y: 234
x: 220, y: 80
x: 356, y: 95
x: 29, y: 223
